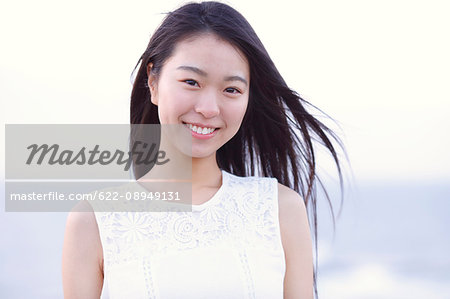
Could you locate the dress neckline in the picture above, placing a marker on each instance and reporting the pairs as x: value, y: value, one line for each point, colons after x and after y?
x: 216, y: 197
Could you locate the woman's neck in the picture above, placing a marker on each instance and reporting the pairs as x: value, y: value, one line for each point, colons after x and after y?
x: 205, y: 173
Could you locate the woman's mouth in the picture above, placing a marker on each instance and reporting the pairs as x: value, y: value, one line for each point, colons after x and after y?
x: 201, y: 131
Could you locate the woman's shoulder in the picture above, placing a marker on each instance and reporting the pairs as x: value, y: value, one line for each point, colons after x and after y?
x: 289, y: 198
x: 294, y: 225
x: 292, y: 209
x: 297, y: 242
x: 82, y: 262
x: 82, y: 234
x: 81, y: 217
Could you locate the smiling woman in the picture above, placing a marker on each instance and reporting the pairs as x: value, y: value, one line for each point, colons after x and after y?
x: 203, y: 84
x: 253, y: 175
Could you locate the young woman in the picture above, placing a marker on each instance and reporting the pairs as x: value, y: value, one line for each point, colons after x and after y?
x: 253, y: 175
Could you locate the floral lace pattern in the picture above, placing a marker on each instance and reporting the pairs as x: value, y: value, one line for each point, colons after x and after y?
x: 243, y: 215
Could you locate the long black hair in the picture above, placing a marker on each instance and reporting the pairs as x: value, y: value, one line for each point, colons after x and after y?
x: 277, y: 136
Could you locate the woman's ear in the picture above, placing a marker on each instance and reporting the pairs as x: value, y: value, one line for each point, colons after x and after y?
x: 152, y: 84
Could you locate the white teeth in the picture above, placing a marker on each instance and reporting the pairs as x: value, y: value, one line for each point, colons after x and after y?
x: 200, y: 130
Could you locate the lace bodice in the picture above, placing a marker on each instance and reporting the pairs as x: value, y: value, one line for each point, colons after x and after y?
x: 228, y: 247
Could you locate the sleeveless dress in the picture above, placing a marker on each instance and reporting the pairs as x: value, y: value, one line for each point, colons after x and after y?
x: 227, y: 247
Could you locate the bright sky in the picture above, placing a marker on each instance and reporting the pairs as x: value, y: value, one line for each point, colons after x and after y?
x: 380, y: 68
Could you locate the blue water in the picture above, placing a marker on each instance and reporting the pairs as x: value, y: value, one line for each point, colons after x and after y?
x: 392, y: 241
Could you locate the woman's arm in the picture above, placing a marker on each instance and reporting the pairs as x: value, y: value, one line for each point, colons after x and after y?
x: 82, y: 261
x: 297, y: 244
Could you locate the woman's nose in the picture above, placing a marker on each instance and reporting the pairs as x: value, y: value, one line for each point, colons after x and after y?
x: 207, y: 104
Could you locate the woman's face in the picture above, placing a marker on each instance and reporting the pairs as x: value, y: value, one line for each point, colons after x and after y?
x: 203, y: 86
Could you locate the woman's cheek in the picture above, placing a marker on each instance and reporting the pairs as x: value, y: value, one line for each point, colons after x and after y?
x: 184, y: 100
x: 173, y: 106
x: 239, y: 110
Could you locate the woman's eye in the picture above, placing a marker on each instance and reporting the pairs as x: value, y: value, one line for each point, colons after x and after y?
x: 191, y: 82
x: 232, y: 90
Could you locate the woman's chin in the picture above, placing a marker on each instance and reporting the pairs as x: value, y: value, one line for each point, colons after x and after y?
x: 202, y: 154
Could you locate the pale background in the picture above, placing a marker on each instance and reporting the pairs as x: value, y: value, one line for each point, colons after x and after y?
x: 380, y: 68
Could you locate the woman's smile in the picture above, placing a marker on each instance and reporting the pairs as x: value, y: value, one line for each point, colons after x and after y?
x: 201, y: 131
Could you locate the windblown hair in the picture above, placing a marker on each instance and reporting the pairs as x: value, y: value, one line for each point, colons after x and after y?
x: 277, y: 136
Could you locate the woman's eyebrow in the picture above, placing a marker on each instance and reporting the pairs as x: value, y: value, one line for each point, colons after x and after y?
x: 236, y: 78
x: 204, y: 74
x: 192, y: 69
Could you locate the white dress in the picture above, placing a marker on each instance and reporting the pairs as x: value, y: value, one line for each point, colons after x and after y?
x: 227, y: 247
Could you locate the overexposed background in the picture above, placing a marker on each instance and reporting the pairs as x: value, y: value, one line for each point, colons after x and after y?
x: 380, y: 68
